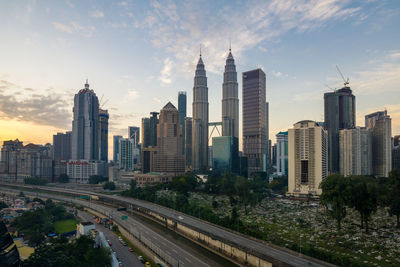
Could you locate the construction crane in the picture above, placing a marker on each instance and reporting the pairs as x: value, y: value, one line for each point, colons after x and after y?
x: 346, y: 82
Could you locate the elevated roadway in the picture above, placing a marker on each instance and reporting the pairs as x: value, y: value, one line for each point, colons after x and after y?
x: 252, y: 248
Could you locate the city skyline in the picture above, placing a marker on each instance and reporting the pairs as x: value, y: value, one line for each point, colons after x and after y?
x: 153, y: 63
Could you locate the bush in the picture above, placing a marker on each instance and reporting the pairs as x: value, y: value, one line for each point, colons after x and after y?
x: 64, y: 178
x: 109, y: 186
x: 35, y: 181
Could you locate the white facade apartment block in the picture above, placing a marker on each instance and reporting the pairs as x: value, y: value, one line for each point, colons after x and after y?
x: 355, y: 151
x: 308, y: 147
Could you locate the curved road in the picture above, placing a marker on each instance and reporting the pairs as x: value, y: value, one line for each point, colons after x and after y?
x: 219, y: 232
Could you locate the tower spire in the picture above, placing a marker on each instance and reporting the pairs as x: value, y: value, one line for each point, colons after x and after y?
x: 87, y: 83
x: 230, y: 44
x: 200, y: 50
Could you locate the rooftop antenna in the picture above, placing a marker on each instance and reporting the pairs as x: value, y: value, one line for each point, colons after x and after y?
x: 346, y: 82
x: 200, y: 50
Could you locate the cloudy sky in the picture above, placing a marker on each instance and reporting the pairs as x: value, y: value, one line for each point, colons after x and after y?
x: 139, y: 54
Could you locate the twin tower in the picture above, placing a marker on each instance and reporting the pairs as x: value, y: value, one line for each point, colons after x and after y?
x: 230, y: 111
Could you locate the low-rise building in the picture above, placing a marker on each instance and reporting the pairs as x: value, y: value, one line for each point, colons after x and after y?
x: 79, y: 171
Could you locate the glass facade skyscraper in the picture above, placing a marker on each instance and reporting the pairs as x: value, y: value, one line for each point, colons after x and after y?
x: 340, y: 113
x: 254, y: 120
x: 182, y: 115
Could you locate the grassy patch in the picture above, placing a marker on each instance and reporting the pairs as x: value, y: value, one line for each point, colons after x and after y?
x: 65, y: 226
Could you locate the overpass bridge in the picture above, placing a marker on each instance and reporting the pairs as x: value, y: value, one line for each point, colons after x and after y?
x: 236, y: 247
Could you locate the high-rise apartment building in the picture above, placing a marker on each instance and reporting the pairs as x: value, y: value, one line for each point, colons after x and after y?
x: 282, y: 153
x: 200, y: 119
x: 169, y: 158
x: 225, y: 156
x: 355, y: 147
x: 340, y: 113
x: 308, y: 158
x: 116, y: 139
x: 85, y: 125
x: 182, y: 115
x: 134, y: 133
x: 188, y: 143
x: 103, y: 135
x: 153, y: 128
x: 62, y: 146
x: 127, y: 154
x: 230, y: 99
x: 381, y: 126
x: 254, y: 120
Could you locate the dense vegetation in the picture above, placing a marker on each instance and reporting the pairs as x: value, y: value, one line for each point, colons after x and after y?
x: 59, y: 252
x: 35, y: 181
x: 39, y: 223
x: 364, y: 194
x: 95, y: 179
x: 109, y: 186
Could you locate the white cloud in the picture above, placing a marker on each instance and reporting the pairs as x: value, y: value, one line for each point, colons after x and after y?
x: 180, y: 29
x: 62, y: 27
x: 133, y: 94
x: 276, y: 73
x: 96, y: 14
x: 74, y: 27
x: 165, y: 75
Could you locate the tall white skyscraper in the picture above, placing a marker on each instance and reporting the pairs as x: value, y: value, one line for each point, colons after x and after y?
x: 381, y: 126
x: 200, y: 119
x: 308, y: 158
x: 85, y: 125
x: 282, y: 153
x: 355, y: 147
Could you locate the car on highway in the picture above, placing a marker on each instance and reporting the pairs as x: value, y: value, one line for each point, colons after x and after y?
x: 109, y: 243
x: 147, y: 264
x: 130, y: 249
x: 141, y: 259
x: 180, y: 217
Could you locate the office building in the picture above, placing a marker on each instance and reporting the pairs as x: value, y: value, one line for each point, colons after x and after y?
x: 200, y: 119
x: 62, y: 146
x: 85, y: 125
x: 169, y: 158
x: 188, y: 143
x: 225, y: 156
x: 103, y: 135
x: 308, y: 158
x: 268, y: 155
x: 396, y: 140
x: 134, y: 133
x: 396, y: 158
x: 254, y: 120
x: 148, y: 159
x: 230, y: 99
x: 182, y: 115
x: 153, y: 128
x: 116, y: 139
x: 381, y: 126
x: 340, y: 113
x: 145, y: 132
x: 355, y: 150
x: 282, y: 153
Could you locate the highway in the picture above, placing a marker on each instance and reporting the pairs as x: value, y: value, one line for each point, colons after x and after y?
x: 241, y: 241
x: 171, y: 252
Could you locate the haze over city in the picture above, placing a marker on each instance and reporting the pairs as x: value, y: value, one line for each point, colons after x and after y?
x: 140, y: 54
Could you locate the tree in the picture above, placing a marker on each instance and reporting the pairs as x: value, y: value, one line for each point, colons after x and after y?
x: 335, y: 196
x: 63, y: 178
x: 3, y: 205
x: 363, y: 196
x: 59, y: 252
x: 95, y: 179
x: 394, y: 195
x: 109, y: 186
